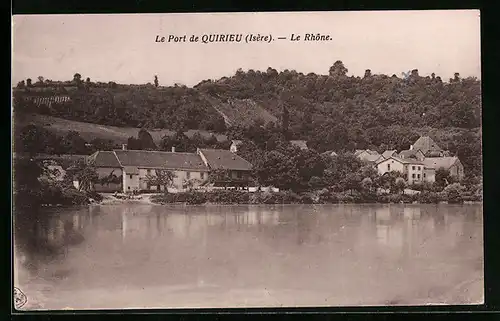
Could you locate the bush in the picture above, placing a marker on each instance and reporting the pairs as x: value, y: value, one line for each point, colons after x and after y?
x: 428, y: 197
x: 395, y: 198
x: 73, y: 196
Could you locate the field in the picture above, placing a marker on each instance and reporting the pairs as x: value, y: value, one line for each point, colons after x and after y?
x: 90, y: 131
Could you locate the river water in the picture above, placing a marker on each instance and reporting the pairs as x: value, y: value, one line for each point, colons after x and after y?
x: 149, y: 256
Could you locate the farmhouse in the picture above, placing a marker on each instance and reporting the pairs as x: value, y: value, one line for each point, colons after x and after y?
x: 414, y: 170
x: 140, y: 170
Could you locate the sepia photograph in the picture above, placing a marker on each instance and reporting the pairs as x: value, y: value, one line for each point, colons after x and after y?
x: 247, y: 160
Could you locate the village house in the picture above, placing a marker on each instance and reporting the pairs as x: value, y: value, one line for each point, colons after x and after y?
x: 414, y: 170
x: 412, y: 153
x: 368, y: 156
x: 135, y: 170
x: 236, y: 170
x: 451, y: 164
x: 389, y: 153
x: 428, y: 147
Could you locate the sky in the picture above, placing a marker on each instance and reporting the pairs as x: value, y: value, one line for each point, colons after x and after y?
x: 122, y: 48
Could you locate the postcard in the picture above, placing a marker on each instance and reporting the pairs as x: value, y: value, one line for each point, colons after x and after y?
x: 247, y: 160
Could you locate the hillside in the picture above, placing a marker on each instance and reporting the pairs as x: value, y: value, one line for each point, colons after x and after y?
x: 240, y: 112
x: 90, y: 131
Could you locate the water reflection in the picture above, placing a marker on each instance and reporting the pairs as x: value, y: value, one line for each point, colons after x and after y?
x: 239, y: 246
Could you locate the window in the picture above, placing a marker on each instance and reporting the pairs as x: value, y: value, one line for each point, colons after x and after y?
x: 149, y: 172
x: 424, y: 175
x: 413, y: 167
x: 239, y: 174
x: 188, y: 175
x: 130, y: 176
x: 129, y: 187
x: 388, y: 167
x: 202, y: 175
x: 412, y: 175
x: 418, y: 167
x: 418, y: 176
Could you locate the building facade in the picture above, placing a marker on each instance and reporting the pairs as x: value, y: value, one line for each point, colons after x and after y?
x: 412, y: 170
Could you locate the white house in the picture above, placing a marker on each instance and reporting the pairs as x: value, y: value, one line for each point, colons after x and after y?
x: 412, y: 169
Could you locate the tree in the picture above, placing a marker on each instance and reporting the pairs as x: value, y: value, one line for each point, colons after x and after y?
x: 74, y: 143
x: 338, y: 69
x: 162, y: 178
x: 40, y: 79
x: 145, y: 140
x: 399, y: 185
x: 77, y: 78
x: 32, y: 139
x: 454, y: 192
x: 156, y: 81
x: 28, y: 82
x: 368, y: 73
x: 85, y: 173
x: 443, y: 177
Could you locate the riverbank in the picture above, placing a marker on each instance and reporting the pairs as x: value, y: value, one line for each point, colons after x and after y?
x: 232, y: 197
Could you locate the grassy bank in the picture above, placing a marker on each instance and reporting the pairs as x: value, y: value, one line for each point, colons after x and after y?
x: 319, y: 197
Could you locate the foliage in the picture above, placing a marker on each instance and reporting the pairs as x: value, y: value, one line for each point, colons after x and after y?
x: 85, y: 173
x: 162, y: 178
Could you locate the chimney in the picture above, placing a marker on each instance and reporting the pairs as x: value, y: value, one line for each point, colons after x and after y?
x: 124, y: 146
x: 173, y: 149
x: 411, y: 147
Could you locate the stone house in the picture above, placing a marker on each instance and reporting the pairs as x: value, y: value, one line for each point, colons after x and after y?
x: 415, y: 171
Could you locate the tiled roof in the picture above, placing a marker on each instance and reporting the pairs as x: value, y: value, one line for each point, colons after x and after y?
x: 389, y: 153
x: 224, y: 159
x: 302, y: 144
x: 409, y: 153
x: 402, y: 161
x: 440, y: 162
x: 104, y: 159
x: 370, y: 158
x: 155, y: 159
x: 425, y: 143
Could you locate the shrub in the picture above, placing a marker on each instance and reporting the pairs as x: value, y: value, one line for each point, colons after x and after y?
x: 428, y: 197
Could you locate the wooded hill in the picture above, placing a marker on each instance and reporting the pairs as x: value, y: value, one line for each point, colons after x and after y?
x: 332, y: 112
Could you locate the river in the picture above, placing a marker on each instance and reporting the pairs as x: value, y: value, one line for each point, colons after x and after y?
x: 152, y: 256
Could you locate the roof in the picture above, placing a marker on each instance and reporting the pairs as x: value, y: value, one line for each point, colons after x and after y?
x: 156, y: 159
x: 409, y: 152
x: 237, y: 142
x: 224, y: 159
x: 389, y: 153
x: 104, y: 159
x: 440, y: 162
x: 302, y: 144
x: 402, y: 161
x: 370, y: 152
x: 371, y: 158
x: 425, y: 143
x: 131, y: 170
x: 330, y: 153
